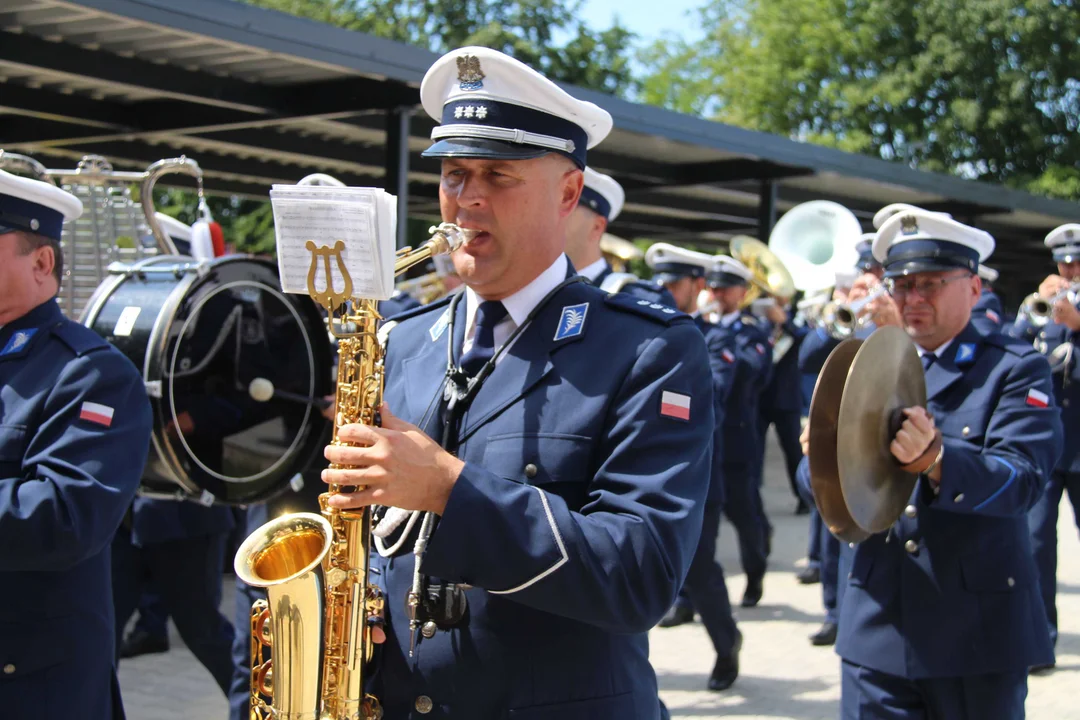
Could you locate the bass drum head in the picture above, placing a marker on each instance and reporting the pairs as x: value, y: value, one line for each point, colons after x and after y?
x: 216, y: 332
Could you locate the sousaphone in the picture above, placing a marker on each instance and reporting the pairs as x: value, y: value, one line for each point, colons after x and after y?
x: 856, y: 410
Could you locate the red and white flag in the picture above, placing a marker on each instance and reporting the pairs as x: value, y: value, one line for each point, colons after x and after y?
x: 728, y: 356
x: 96, y: 413
x: 994, y: 317
x: 676, y: 405
x: 1038, y: 399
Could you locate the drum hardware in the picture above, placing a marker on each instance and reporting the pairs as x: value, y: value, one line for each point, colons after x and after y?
x: 262, y: 390
x: 859, y: 487
x: 1038, y: 311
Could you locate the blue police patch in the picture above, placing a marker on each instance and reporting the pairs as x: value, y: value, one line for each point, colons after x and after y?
x: 965, y: 353
x: 572, y: 321
x: 18, y: 341
x: 439, y: 327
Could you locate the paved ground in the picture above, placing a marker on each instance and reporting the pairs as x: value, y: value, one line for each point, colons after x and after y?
x: 783, y: 676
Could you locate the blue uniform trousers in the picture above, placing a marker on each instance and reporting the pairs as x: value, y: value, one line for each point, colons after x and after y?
x: 743, y: 507
x: 152, y: 615
x: 706, y: 588
x: 813, y: 545
x: 788, y: 428
x: 187, y: 574
x: 872, y: 695
x: 1043, y: 520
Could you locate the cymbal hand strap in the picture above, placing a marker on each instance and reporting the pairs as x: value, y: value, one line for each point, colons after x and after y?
x: 929, y: 459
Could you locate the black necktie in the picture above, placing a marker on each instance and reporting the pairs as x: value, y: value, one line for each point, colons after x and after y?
x: 488, y: 315
x: 928, y: 360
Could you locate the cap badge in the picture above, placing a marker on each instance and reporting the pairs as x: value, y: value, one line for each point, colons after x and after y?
x: 469, y: 74
x: 1069, y: 234
x: 908, y: 225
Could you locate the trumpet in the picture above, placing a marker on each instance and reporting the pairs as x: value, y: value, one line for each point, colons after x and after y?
x: 841, y: 320
x: 1038, y: 311
x: 426, y: 288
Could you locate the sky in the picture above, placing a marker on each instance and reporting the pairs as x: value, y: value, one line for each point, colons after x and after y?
x: 643, y: 16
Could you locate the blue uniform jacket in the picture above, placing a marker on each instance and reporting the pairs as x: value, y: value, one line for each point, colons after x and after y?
x: 988, y: 314
x: 155, y: 520
x: 753, y: 368
x: 818, y: 344
x: 68, y: 472
x: 721, y: 347
x: 398, y: 303
x: 784, y: 390
x: 574, y: 520
x: 1053, y: 341
x: 951, y: 589
x: 641, y: 289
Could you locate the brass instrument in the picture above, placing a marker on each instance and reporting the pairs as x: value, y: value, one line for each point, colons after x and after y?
x: 770, y: 275
x: 315, y: 566
x: 841, y: 320
x: 619, y: 252
x: 815, y: 240
x: 425, y: 289
x: 1038, y: 311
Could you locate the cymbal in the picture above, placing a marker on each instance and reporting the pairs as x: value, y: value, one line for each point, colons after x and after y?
x: 824, y: 473
x: 885, y: 377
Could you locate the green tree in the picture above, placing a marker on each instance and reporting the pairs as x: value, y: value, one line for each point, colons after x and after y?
x: 983, y: 88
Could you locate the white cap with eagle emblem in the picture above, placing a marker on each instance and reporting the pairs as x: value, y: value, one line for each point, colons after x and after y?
x: 490, y: 105
x: 915, y: 240
x: 1064, y: 241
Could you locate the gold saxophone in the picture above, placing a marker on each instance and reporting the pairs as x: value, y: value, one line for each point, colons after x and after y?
x: 315, y: 566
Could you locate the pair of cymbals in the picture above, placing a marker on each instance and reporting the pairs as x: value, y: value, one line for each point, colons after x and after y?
x: 855, y: 412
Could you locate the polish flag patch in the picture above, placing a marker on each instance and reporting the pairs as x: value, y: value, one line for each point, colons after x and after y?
x: 728, y: 356
x: 96, y: 413
x: 994, y: 317
x: 760, y: 349
x: 1038, y: 399
x: 675, y: 405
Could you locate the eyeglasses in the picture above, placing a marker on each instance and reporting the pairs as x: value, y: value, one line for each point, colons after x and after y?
x: 927, y: 288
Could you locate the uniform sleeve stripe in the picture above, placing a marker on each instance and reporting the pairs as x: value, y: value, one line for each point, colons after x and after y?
x: 1006, y: 484
x: 558, y: 541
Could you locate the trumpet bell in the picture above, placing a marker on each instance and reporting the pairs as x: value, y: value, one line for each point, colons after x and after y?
x: 770, y: 274
x: 619, y: 252
x: 814, y: 240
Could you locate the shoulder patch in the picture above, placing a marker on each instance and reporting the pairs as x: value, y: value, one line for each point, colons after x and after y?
x: 79, y: 338
x: 645, y: 308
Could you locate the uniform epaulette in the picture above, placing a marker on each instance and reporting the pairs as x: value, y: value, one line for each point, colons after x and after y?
x: 653, y: 311
x: 1009, y: 344
x: 405, y: 315
x: 80, y: 339
x: 749, y: 319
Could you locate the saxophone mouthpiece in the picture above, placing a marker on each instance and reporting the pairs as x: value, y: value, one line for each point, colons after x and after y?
x: 452, y: 236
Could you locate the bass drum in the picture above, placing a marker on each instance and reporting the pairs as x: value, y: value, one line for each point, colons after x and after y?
x: 202, y: 333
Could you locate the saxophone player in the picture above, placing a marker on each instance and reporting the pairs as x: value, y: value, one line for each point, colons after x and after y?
x: 561, y: 469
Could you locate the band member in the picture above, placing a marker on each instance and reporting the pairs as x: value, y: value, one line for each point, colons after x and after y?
x: 682, y: 272
x: 988, y: 314
x: 75, y: 428
x: 601, y: 202
x: 1058, y: 340
x: 941, y: 616
x: 728, y: 280
x: 564, y: 504
x: 781, y: 400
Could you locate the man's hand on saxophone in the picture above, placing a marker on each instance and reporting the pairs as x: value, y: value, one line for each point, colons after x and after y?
x: 397, y: 465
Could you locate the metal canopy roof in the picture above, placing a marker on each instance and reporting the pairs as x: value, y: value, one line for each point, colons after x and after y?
x: 258, y: 97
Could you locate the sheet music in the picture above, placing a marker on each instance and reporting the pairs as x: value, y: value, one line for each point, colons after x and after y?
x: 362, y: 219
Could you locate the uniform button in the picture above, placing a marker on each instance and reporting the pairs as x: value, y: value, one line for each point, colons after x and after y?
x: 1011, y: 582
x: 9, y: 669
x: 1065, y: 402
x: 849, y: 576
x: 910, y: 511
x: 911, y: 546
x: 424, y: 704
x: 428, y: 630
x: 966, y: 431
x: 851, y: 545
x: 959, y: 498
x: 530, y: 471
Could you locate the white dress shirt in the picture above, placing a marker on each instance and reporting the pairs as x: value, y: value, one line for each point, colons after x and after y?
x: 518, y: 306
x: 593, y: 270
x: 940, y: 352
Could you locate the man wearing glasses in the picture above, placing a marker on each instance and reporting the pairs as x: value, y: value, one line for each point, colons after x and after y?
x: 942, y: 616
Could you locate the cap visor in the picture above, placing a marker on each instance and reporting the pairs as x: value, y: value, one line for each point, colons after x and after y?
x: 483, y: 149
x: 666, y: 278
x: 716, y: 284
x: 921, y: 266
